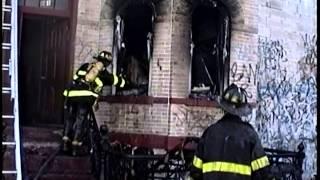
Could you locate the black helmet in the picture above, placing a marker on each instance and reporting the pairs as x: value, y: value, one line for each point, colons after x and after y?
x: 104, y: 56
x: 234, y: 101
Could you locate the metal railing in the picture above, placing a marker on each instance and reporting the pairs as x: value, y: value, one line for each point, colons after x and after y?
x: 126, y: 162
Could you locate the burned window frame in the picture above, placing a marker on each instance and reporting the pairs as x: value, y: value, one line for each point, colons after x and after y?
x: 118, y: 43
x: 224, y: 49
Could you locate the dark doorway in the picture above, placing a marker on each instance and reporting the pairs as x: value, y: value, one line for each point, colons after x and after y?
x: 136, y: 21
x: 43, y: 66
x: 210, y: 57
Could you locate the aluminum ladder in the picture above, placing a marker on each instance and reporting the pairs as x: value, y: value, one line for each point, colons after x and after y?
x: 10, y: 67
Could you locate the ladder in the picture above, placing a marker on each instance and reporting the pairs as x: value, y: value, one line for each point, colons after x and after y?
x: 10, y: 68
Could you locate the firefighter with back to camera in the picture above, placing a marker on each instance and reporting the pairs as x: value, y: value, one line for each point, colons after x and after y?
x: 82, y: 94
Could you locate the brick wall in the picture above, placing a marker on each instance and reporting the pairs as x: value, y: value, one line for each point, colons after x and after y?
x: 180, y: 56
x: 286, y: 111
x: 153, y: 119
x: 170, y: 78
x: 271, y: 57
x: 87, y: 31
x: 243, y: 50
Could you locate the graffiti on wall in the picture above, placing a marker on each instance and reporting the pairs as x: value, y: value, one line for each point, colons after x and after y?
x: 84, y: 51
x: 244, y: 74
x: 188, y: 121
x: 195, y: 120
x: 286, y: 110
x: 310, y: 47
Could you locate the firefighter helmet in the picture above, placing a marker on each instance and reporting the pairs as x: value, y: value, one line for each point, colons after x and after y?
x: 234, y: 101
x: 104, y: 56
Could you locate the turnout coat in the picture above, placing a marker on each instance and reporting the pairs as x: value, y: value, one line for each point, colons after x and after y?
x: 229, y: 150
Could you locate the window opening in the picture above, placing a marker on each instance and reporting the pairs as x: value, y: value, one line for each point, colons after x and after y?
x: 53, y: 4
x: 133, y: 33
x: 209, y: 49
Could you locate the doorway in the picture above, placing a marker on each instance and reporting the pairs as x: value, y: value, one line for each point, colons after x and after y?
x: 43, y: 68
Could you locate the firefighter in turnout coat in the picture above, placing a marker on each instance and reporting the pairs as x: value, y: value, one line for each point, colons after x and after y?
x: 230, y: 149
x: 82, y: 94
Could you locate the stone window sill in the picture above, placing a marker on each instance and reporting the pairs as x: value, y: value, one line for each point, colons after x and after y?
x: 160, y: 100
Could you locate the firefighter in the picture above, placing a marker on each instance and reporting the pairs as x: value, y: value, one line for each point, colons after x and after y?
x: 82, y: 94
x: 230, y: 149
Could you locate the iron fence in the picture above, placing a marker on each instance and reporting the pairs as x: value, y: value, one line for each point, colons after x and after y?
x: 123, y: 162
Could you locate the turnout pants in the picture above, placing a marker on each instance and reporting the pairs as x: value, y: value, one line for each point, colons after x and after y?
x: 75, y: 118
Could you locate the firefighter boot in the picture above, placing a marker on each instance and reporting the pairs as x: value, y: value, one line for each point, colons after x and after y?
x: 69, y: 118
x: 79, y: 129
x: 76, y: 148
x: 65, y: 144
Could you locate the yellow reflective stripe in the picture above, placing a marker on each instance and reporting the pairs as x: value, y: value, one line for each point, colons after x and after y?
x: 197, y: 162
x: 226, y: 167
x: 260, y: 163
x: 75, y: 93
x: 65, y: 92
x: 75, y: 77
x: 81, y: 73
x: 123, y: 82
x: 99, y: 82
x: 115, y: 79
x: 97, y: 89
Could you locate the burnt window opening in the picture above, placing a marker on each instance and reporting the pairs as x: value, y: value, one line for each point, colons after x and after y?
x: 134, y: 45
x: 209, y: 49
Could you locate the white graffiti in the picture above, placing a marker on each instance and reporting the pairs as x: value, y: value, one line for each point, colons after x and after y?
x: 286, y: 112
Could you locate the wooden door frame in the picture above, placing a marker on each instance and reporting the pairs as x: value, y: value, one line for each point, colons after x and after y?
x: 71, y: 12
x: 73, y: 26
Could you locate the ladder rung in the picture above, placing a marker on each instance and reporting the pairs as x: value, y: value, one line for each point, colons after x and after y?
x: 8, y: 116
x: 6, y: 8
x: 9, y: 172
x: 5, y: 67
x: 6, y: 44
x: 6, y: 24
x: 9, y: 143
x: 6, y: 90
x: 5, y: 28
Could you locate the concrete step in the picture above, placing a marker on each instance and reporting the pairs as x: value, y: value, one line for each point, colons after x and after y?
x: 38, y: 134
x: 39, y: 144
x: 65, y: 177
x: 59, y: 165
